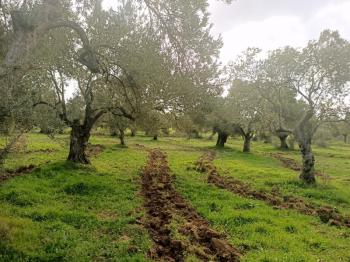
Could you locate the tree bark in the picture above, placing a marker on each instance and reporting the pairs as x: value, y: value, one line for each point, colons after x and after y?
x: 121, y: 137
x: 283, y: 144
x: 304, y: 132
x: 246, y: 145
x: 222, y: 139
x: 308, y: 169
x: 79, y: 139
x: 283, y: 134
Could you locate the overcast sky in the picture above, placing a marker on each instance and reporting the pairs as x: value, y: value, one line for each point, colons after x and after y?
x: 269, y: 24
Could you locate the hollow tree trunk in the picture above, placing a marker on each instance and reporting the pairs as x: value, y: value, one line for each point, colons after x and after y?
x: 155, y: 137
x: 283, y: 142
x: 79, y: 139
x: 121, y: 137
x: 308, y: 168
x: 222, y: 139
x: 246, y: 144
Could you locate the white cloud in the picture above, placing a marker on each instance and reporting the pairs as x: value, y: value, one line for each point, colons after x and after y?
x: 333, y: 16
x: 274, y: 31
x: 271, y: 24
x: 271, y: 33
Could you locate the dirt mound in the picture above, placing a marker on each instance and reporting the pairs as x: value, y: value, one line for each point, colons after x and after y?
x: 163, y: 204
x: 94, y: 150
x: 326, y: 214
x: 8, y: 174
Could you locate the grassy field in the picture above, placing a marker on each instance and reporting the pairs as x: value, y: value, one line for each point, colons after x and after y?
x: 67, y: 212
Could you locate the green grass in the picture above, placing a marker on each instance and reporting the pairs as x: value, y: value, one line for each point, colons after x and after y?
x: 264, y: 172
x: 67, y: 212
x: 74, y: 213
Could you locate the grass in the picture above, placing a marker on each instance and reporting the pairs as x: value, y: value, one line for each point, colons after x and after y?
x: 67, y: 212
x: 267, y: 173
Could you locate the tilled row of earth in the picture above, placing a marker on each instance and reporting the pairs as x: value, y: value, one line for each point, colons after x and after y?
x: 164, y: 204
x: 193, y: 235
x: 326, y: 214
x: 292, y: 164
x: 8, y: 174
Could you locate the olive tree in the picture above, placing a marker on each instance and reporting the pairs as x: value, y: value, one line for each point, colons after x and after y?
x: 246, y: 109
x: 281, y: 108
x: 342, y: 128
x: 139, y: 69
x: 27, y: 22
x: 319, y: 75
x: 219, y: 120
x: 117, y: 126
x: 23, y: 28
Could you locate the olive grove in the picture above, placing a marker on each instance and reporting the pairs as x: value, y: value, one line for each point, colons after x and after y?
x: 141, y: 57
x: 154, y: 65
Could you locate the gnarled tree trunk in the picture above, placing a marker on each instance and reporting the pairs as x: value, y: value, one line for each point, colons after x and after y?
x: 79, y: 139
x: 121, y: 137
x: 304, y: 132
x: 222, y: 139
x: 283, y: 135
x: 247, y: 137
x: 283, y: 142
x: 246, y: 144
x: 308, y: 169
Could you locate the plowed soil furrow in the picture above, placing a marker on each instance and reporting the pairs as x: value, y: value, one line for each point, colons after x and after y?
x: 9, y: 174
x: 163, y: 204
x: 325, y: 213
x: 292, y: 164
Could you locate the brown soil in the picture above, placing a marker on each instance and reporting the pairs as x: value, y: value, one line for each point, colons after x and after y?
x: 47, y: 150
x: 163, y: 203
x: 287, y: 162
x: 8, y: 174
x: 94, y: 150
x: 325, y: 213
x: 292, y: 164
